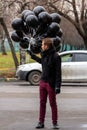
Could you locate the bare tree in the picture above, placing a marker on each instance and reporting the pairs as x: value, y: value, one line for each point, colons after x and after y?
x: 3, y: 49
x: 9, y: 41
x: 73, y: 10
x: 1, y: 31
x: 2, y: 39
x: 2, y: 22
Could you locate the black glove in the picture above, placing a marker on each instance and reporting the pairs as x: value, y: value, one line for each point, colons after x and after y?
x: 57, y: 90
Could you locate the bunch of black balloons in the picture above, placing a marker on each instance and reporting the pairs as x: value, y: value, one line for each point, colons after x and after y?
x: 33, y: 25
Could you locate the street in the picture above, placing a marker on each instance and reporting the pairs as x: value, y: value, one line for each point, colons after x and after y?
x: 19, y: 107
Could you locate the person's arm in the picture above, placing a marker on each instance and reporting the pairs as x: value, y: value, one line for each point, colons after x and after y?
x: 58, y: 74
x: 33, y: 56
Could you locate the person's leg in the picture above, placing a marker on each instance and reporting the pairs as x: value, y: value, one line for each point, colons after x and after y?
x: 43, y: 100
x: 53, y: 104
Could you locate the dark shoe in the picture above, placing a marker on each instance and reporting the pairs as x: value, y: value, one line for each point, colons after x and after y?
x: 40, y: 125
x: 56, y: 126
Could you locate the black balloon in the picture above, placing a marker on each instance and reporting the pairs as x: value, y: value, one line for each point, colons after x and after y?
x: 58, y: 47
x: 38, y: 9
x: 19, y: 33
x: 35, y: 48
x: 28, y: 13
x: 25, y: 29
x: 60, y: 33
x: 23, y: 13
x: 33, y: 26
x: 56, y: 41
x: 41, y: 30
x: 15, y: 36
x: 24, y: 43
x: 53, y: 28
x: 32, y: 21
x: 56, y: 17
x: 45, y: 18
x: 35, y: 45
x: 38, y: 41
x: 17, y: 23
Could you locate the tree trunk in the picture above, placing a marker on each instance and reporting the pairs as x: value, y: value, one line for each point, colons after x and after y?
x: 2, y: 39
x: 22, y: 56
x: 3, y: 48
x: 10, y: 42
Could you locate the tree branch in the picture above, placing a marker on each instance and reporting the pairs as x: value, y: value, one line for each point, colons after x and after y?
x: 75, y: 11
x: 62, y: 14
x: 69, y: 2
x: 82, y: 10
x: 76, y: 24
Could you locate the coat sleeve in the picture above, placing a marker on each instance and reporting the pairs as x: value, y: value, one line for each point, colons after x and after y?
x: 36, y: 58
x: 58, y: 71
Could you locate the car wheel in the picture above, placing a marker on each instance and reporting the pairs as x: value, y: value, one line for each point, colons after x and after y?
x: 34, y: 77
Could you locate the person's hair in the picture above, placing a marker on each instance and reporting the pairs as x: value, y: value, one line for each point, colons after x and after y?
x: 47, y: 41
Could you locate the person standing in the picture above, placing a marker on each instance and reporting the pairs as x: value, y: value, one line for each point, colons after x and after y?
x: 50, y: 82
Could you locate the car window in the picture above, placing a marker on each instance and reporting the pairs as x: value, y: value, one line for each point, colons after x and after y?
x: 66, y: 58
x: 80, y: 57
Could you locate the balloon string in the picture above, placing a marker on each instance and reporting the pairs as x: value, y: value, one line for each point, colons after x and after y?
x: 29, y: 47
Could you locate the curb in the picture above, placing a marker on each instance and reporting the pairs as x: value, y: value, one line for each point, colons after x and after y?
x: 8, y: 79
x: 2, y: 79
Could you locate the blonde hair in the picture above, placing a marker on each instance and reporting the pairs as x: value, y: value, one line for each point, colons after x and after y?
x: 47, y: 41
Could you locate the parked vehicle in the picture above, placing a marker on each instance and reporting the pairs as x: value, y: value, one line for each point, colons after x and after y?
x: 74, y: 68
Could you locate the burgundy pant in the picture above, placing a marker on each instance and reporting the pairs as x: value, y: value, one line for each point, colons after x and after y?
x: 46, y: 90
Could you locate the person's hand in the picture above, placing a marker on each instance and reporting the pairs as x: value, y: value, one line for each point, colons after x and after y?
x: 57, y: 90
x: 29, y: 52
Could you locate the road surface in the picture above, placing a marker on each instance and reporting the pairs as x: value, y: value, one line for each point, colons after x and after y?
x: 19, y: 107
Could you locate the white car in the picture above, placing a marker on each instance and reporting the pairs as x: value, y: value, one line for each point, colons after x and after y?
x: 74, y: 68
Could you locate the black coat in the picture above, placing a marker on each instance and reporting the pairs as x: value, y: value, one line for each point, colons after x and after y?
x: 51, y: 67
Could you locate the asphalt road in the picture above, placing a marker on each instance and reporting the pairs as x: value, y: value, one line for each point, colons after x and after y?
x: 19, y: 107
